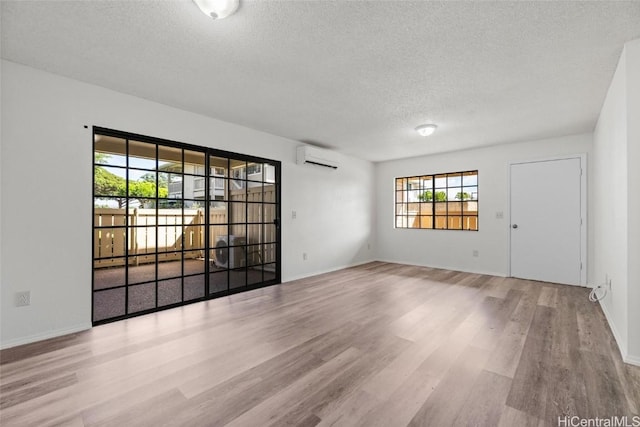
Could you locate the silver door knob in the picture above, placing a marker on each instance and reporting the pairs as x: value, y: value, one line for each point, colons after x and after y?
x: 514, y: 226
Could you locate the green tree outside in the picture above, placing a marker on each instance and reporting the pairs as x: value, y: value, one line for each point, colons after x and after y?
x: 107, y: 183
x: 427, y: 196
x: 110, y: 185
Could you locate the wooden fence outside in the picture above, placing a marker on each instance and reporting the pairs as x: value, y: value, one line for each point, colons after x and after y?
x: 178, y: 230
x: 451, y: 215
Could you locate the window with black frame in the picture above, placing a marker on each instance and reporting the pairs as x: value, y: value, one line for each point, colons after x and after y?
x: 446, y: 201
x: 174, y: 223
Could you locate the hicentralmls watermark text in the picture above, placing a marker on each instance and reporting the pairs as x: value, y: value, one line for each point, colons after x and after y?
x: 576, y: 421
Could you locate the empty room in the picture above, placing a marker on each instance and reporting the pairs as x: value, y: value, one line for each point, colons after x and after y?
x: 319, y: 213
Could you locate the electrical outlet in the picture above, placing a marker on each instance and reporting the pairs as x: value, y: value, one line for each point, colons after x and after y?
x: 368, y: 246
x: 23, y: 298
x: 304, y: 256
x: 294, y: 214
x: 499, y: 215
x: 476, y: 253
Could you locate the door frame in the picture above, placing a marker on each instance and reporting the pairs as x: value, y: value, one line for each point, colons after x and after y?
x: 583, y: 208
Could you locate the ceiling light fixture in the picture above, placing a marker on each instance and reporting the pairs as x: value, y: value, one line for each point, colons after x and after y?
x: 426, y: 130
x: 217, y: 9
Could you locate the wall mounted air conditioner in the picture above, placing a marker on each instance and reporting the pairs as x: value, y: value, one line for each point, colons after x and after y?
x: 317, y: 156
x: 230, y: 252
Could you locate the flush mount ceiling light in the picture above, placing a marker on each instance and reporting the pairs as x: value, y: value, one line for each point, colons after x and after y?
x: 426, y: 130
x: 217, y: 9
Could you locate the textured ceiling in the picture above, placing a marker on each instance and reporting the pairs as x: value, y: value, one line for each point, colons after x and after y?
x: 356, y: 76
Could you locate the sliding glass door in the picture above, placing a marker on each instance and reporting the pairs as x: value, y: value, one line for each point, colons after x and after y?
x: 175, y: 224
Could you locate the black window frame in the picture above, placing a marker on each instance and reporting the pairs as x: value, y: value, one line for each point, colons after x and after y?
x: 273, y: 264
x: 429, y: 208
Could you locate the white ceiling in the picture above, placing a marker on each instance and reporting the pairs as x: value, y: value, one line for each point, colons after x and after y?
x: 356, y: 76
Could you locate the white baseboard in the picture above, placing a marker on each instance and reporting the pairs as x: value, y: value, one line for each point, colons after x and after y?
x: 328, y: 270
x: 444, y: 267
x: 44, y: 336
x: 622, y: 344
x: 632, y: 360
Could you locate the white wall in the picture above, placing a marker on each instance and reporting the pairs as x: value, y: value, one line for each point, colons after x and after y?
x: 617, y: 204
x: 334, y: 218
x: 1, y: 237
x: 46, y: 195
x: 610, y: 210
x: 633, y: 163
x: 454, y: 249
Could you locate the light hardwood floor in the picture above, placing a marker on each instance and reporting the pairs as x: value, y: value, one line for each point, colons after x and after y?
x: 375, y: 345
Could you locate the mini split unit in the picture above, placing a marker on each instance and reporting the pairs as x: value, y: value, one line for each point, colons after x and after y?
x: 230, y: 252
x: 308, y: 155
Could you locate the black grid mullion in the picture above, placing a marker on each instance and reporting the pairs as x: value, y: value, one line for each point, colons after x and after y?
x: 207, y: 223
x: 246, y: 225
x: 263, y: 229
x: 126, y: 236
x: 446, y: 201
x: 433, y: 205
x: 182, y: 227
x: 227, y: 198
x: 157, y: 205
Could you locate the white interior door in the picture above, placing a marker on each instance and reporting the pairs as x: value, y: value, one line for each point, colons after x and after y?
x: 546, y: 221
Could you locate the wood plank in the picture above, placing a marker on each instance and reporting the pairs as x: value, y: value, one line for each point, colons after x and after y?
x: 289, y: 396
x: 512, y: 417
x: 154, y: 410
x: 548, y: 296
x: 352, y: 411
x: 497, y: 312
x: 402, y: 405
x: 443, y: 406
x: 565, y: 395
x: 530, y: 382
x: 505, y: 357
x: 486, y: 400
x: 604, y: 393
x: 23, y: 394
x: 325, y: 400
